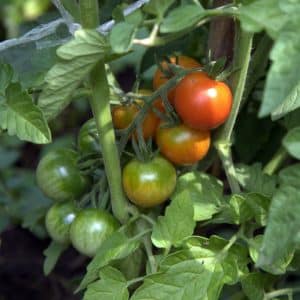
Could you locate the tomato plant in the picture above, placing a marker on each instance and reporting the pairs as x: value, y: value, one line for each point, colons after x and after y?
x: 124, y: 115
x: 90, y: 229
x: 59, y: 219
x: 202, y: 103
x: 182, y: 145
x: 59, y: 177
x: 204, y: 203
x: 149, y: 183
x: 163, y: 72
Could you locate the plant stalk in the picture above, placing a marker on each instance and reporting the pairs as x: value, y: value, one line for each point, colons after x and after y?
x: 100, y: 105
x: 241, y: 60
x: 276, y: 161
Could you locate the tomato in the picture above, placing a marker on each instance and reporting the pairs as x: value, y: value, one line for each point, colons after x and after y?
x: 59, y: 219
x: 202, y: 104
x: 160, y: 78
x: 183, y: 145
x: 59, y: 177
x: 123, y: 116
x: 87, y: 137
x: 149, y: 183
x: 90, y: 229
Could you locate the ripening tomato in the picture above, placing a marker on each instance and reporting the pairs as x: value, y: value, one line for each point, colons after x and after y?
x: 90, y: 229
x: 87, y: 137
x: 161, y: 78
x: 59, y: 177
x: 202, y: 104
x: 149, y: 183
x: 182, y: 145
x: 123, y: 116
x: 59, y: 219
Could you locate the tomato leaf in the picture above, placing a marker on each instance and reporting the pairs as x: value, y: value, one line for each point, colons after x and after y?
x: 179, y: 212
x: 78, y: 56
x: 112, y: 285
x: 117, y: 246
x: 282, y: 229
x: 291, y: 142
x: 260, y: 15
x: 199, y: 271
x: 281, y: 94
x: 176, y: 20
x: 254, y: 180
x: 281, y: 263
x: 21, y: 117
x: 6, y: 75
x: 253, y: 286
x: 121, y: 37
x: 158, y: 7
x: 52, y: 254
x: 205, y: 191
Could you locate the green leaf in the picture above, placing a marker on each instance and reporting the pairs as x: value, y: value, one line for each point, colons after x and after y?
x: 52, y: 254
x: 6, y: 75
x: 291, y: 142
x: 199, y: 271
x: 253, y: 286
x: 186, y: 280
x: 79, y: 56
x: 179, y: 212
x: 281, y: 264
x: 281, y: 231
x: 117, y: 246
x: 263, y: 15
x: 21, y: 117
x: 121, y: 37
x: 112, y: 286
x: 253, y: 179
x: 282, y: 89
x: 158, y: 7
x: 205, y: 191
x: 290, y: 176
x: 182, y: 18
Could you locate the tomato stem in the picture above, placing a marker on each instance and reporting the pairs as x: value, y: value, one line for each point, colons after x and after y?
x: 100, y: 105
x: 241, y: 61
x: 276, y: 161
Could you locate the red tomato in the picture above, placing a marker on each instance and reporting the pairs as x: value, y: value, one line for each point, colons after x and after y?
x: 183, y: 145
x: 160, y: 78
x: 202, y: 103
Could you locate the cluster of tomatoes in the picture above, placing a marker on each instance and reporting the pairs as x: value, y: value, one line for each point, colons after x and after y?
x: 201, y: 103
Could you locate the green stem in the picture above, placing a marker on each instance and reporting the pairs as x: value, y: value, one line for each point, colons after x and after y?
x: 101, y: 110
x: 223, y: 143
x: 282, y: 292
x: 276, y: 161
x: 135, y: 280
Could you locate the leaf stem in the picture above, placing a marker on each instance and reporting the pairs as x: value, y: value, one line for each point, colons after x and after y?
x: 276, y: 161
x: 241, y: 62
x: 282, y: 292
x: 99, y: 102
x: 135, y: 280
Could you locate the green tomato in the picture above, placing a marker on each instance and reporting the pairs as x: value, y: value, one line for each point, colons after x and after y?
x: 149, y: 183
x: 90, y: 229
x: 59, y: 177
x: 59, y: 219
x: 86, y: 137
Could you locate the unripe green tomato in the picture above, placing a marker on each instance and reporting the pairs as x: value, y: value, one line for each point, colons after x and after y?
x: 90, y: 229
x: 59, y: 219
x: 86, y: 137
x: 59, y: 177
x: 149, y: 183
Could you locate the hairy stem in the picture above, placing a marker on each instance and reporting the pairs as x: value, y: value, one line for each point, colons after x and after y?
x: 99, y: 102
x: 276, y: 161
x: 241, y: 60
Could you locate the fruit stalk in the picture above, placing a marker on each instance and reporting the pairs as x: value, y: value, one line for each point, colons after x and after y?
x: 99, y: 102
